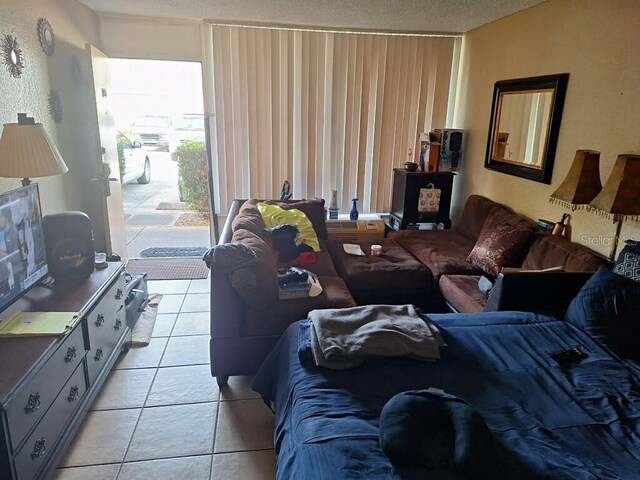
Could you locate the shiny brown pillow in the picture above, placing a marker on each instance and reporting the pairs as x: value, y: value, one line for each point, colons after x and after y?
x: 265, y: 292
x: 249, y: 218
x: 502, y: 241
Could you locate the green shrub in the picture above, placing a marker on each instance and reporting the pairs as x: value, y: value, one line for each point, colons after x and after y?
x: 193, y: 171
x: 122, y: 141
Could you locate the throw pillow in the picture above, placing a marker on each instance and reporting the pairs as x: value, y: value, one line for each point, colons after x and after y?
x: 608, y: 308
x: 249, y: 218
x: 502, y: 241
x: 431, y: 429
x: 265, y: 291
x: 274, y: 215
x: 628, y: 263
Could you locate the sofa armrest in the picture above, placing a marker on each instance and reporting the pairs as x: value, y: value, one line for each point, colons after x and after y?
x: 226, y: 307
x: 227, y: 231
x: 535, y: 291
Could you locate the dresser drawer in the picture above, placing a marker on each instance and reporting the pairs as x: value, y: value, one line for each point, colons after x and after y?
x: 35, y: 397
x: 40, y: 443
x: 103, y: 343
x: 105, y: 324
x: 109, y: 304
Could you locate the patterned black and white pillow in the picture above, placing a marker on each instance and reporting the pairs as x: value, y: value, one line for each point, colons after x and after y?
x: 628, y: 263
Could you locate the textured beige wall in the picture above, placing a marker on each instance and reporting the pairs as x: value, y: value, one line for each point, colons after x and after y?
x: 596, y: 42
x: 73, y: 25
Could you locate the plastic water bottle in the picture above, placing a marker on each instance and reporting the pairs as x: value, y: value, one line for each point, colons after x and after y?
x: 353, y: 214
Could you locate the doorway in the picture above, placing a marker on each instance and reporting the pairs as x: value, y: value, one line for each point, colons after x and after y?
x: 159, y: 118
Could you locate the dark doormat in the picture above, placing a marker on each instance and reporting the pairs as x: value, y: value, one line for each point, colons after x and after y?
x: 169, y: 268
x: 173, y: 252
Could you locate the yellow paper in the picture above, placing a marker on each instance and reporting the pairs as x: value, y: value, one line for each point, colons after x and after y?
x: 37, y: 323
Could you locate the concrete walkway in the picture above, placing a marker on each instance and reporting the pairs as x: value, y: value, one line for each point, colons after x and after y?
x: 146, y: 225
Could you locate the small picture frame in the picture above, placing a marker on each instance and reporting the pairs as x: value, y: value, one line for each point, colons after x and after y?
x: 423, y: 144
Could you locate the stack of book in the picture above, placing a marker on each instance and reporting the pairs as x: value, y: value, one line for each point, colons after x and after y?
x: 293, y: 283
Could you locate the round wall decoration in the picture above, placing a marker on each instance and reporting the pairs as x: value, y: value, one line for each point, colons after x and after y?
x: 45, y: 35
x: 55, y: 106
x: 76, y: 69
x: 12, y: 56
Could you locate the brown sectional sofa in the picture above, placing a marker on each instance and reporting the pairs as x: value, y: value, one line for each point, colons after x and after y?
x: 427, y: 268
x: 445, y: 253
x: 246, y: 325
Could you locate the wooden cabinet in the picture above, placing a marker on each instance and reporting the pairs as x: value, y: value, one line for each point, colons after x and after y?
x: 406, y: 193
x: 104, y: 322
x: 47, y: 384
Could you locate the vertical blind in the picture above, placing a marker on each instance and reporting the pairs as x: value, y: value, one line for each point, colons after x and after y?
x: 324, y: 110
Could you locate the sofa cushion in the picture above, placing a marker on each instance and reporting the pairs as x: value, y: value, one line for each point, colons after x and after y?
x: 265, y: 292
x: 628, y: 263
x: 249, y: 218
x: 502, y: 241
x: 442, y: 251
x: 607, y: 308
x: 476, y: 210
x: 462, y: 292
x: 275, y: 319
x: 394, y: 269
x: 313, y: 209
x: 323, y: 266
x: 547, y: 251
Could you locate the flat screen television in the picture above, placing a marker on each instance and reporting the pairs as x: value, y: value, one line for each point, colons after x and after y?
x: 23, y: 261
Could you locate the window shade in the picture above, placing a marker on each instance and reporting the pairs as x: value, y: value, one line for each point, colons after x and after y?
x: 324, y: 110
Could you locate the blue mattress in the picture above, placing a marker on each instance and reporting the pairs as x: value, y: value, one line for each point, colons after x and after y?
x: 571, y: 421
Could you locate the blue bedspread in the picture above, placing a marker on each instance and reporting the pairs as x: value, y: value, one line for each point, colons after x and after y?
x: 575, y: 421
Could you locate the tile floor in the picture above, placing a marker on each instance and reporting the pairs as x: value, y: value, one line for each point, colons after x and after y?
x: 161, y: 415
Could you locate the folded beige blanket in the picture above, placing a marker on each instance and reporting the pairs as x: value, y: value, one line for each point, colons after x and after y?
x: 346, y: 337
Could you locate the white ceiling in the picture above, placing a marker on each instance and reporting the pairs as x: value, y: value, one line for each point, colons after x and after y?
x: 450, y: 16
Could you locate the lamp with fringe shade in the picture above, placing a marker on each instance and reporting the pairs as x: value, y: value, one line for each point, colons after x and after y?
x: 582, y: 183
x: 619, y: 199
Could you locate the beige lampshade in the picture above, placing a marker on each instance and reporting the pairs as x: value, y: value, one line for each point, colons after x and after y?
x: 620, y: 195
x: 29, y: 151
x: 582, y: 183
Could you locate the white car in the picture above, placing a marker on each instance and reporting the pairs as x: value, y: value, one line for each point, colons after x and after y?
x: 187, y: 127
x: 152, y: 130
x: 136, y: 161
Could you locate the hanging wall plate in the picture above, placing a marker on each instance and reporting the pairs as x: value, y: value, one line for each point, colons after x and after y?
x: 76, y: 69
x: 45, y: 35
x: 12, y: 56
x: 55, y: 106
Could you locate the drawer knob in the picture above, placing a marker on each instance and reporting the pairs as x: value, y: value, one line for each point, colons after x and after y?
x: 99, y: 354
x: 119, y: 294
x: 33, y: 404
x: 100, y: 320
x: 71, y: 354
x: 118, y: 324
x: 39, y: 449
x: 74, y: 393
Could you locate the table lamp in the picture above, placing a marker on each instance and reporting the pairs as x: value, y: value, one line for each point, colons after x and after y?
x: 619, y: 197
x: 27, y: 150
x: 582, y: 183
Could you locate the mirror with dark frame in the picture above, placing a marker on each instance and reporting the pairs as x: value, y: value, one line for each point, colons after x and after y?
x: 525, y: 121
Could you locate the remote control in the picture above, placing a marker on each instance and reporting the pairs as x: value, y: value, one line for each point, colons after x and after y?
x: 574, y: 354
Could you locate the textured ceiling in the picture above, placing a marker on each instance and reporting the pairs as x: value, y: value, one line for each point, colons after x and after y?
x: 452, y: 16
